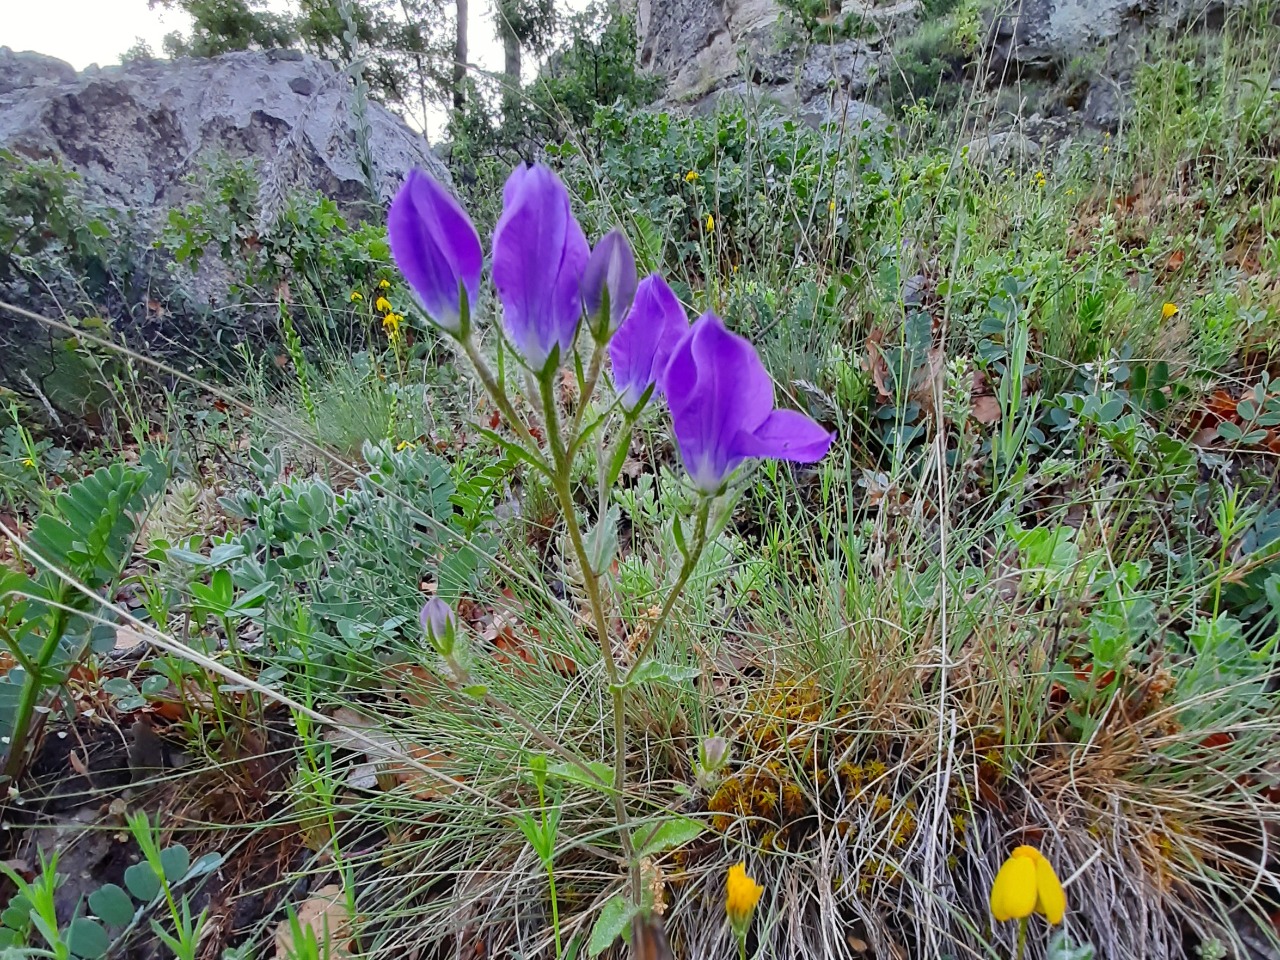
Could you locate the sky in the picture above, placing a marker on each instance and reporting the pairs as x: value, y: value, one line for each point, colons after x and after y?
x: 82, y: 32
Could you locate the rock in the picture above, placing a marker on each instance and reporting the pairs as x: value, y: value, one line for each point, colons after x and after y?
x: 21, y: 71
x: 134, y: 132
x: 710, y: 50
x: 1037, y: 37
x: 1001, y: 149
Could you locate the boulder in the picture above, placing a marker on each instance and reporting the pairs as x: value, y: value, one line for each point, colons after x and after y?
x: 707, y: 50
x: 135, y: 132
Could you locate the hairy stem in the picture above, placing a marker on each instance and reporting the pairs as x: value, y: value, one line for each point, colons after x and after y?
x: 562, y: 466
x: 686, y: 571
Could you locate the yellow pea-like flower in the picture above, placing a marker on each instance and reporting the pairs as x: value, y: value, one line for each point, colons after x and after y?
x: 741, y: 895
x: 1168, y: 310
x: 384, y: 284
x: 382, y: 305
x: 691, y: 176
x: 356, y: 295
x: 711, y: 223
x: 1027, y: 884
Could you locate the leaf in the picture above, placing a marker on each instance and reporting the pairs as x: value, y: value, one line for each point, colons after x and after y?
x: 176, y: 861
x: 325, y: 914
x: 112, y: 905
x: 614, y: 917
x: 575, y: 774
x: 141, y: 881
x: 86, y: 938
x: 675, y: 832
x: 602, y: 540
x: 203, y: 865
x: 652, y: 671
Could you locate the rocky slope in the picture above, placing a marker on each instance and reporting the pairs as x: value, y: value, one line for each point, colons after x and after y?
x: 134, y: 132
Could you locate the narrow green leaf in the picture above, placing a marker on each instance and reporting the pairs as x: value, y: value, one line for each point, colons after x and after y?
x: 653, y: 671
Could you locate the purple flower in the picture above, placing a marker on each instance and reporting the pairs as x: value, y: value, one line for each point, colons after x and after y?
x: 436, y: 248
x: 645, y: 341
x: 539, y: 253
x: 612, y: 267
x: 721, y: 401
x: 440, y: 624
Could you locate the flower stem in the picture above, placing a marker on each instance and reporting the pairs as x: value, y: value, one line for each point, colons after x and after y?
x: 686, y: 570
x: 555, y: 910
x: 591, y: 582
x: 498, y: 393
x: 1022, y: 938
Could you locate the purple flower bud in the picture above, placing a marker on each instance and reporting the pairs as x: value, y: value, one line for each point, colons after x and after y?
x: 440, y: 624
x: 714, y: 753
x: 436, y: 248
x: 645, y: 341
x: 721, y: 401
x: 612, y: 267
x: 539, y: 253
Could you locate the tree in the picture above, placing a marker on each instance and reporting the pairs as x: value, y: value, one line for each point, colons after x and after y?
x: 522, y: 25
x: 460, y: 56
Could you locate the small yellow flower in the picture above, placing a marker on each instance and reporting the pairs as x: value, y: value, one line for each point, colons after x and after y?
x: 1168, y: 310
x: 711, y: 223
x: 403, y: 445
x: 382, y: 305
x: 391, y: 324
x: 29, y: 463
x: 384, y: 284
x: 691, y: 176
x: 1026, y: 884
x: 831, y: 206
x: 741, y: 895
x: 356, y: 296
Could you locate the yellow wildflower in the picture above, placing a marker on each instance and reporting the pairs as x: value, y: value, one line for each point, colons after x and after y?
x: 831, y: 206
x: 383, y: 305
x: 403, y: 445
x: 384, y: 284
x: 1168, y: 310
x: 29, y: 463
x: 740, y: 898
x: 356, y: 296
x: 391, y: 324
x: 691, y: 176
x: 711, y: 223
x: 1026, y: 884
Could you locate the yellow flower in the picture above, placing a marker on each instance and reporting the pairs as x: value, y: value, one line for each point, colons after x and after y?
x: 831, y: 206
x: 741, y: 895
x: 1168, y: 310
x: 403, y: 445
x: 382, y: 305
x: 1026, y: 884
x: 691, y: 176
x: 384, y: 284
x: 711, y: 223
x: 356, y: 296
x: 28, y: 462
x: 391, y: 324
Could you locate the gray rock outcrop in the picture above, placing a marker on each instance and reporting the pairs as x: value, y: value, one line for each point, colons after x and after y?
x: 709, y: 49
x: 134, y: 132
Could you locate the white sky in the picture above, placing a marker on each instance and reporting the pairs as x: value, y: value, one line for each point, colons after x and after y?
x: 82, y: 32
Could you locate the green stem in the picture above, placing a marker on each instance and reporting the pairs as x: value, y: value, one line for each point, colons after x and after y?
x: 591, y: 582
x: 499, y: 394
x: 686, y: 570
x: 555, y: 910
x: 31, y: 687
x: 588, y: 390
x: 1022, y: 938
